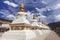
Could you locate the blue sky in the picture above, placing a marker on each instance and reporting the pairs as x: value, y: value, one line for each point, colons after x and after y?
x: 47, y: 10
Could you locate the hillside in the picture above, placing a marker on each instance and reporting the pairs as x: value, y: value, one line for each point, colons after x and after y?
x: 55, y: 27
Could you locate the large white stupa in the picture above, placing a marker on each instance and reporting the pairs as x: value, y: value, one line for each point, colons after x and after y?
x: 21, y: 22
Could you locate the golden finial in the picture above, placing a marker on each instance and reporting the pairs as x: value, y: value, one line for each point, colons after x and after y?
x: 22, y: 8
x: 34, y: 17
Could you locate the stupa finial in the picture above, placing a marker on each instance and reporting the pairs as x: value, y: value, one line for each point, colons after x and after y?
x: 22, y: 7
x: 38, y: 19
x: 34, y: 17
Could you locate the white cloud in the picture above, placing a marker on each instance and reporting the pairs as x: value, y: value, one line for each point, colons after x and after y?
x: 44, y: 9
x: 11, y: 16
x: 28, y: 13
x: 1, y: 12
x: 10, y: 3
x: 57, y: 6
x: 41, y: 10
x: 57, y: 17
x: 44, y: 2
x: 42, y: 16
x: 49, y: 8
x: 29, y: 16
x: 5, y: 12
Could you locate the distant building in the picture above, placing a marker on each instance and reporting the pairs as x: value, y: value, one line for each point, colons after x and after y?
x: 3, y: 24
x: 4, y: 21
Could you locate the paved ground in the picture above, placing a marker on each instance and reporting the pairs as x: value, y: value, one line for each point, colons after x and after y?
x: 49, y: 36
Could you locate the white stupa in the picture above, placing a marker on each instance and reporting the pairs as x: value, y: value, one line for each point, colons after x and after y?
x: 21, y: 16
x: 42, y: 25
x: 21, y: 20
x: 34, y: 22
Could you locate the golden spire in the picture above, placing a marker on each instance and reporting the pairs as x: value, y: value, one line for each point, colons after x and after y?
x: 22, y: 8
x: 34, y: 17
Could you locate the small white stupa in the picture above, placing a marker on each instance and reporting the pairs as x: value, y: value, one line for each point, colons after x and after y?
x: 34, y: 23
x: 42, y: 25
